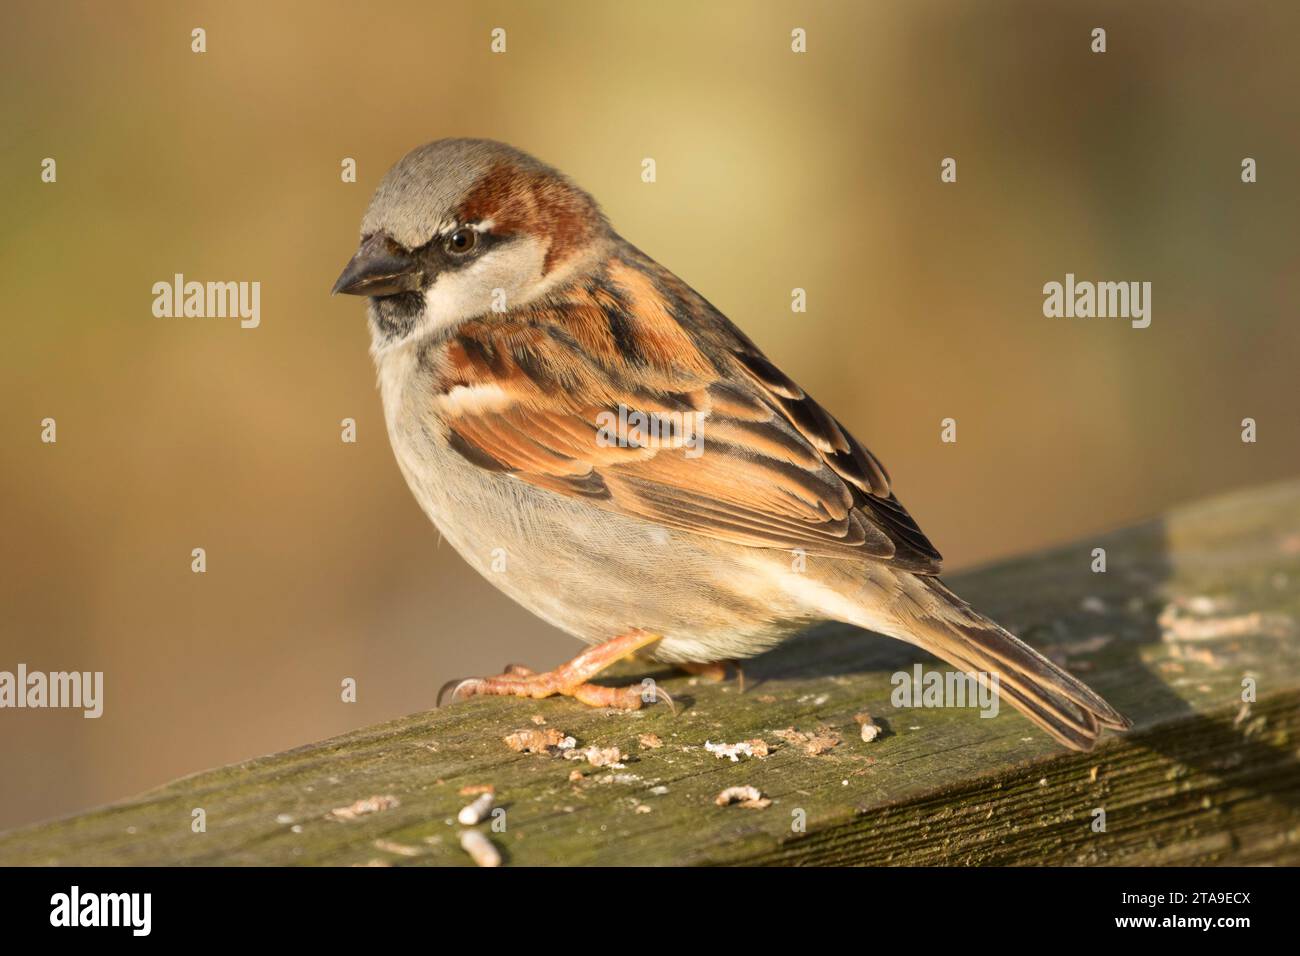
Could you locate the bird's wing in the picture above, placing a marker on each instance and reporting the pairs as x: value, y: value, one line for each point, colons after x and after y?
x: 607, y: 394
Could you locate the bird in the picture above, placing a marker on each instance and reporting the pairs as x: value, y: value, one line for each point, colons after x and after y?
x: 607, y: 448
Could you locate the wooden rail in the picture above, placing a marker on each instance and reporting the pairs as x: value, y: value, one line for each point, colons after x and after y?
x: 1190, y: 608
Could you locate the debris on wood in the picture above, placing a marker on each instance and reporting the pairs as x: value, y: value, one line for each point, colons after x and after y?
x: 1255, y: 727
x: 749, y: 797
x: 1093, y: 604
x: 1093, y: 773
x: 539, y: 741
x: 477, y: 811
x: 765, y: 699
x: 1203, y: 605
x: 821, y: 741
x: 598, y: 756
x: 1197, y: 624
x: 650, y: 741
x: 1242, y: 715
x: 1199, y: 655
x: 624, y: 778
x: 479, y: 848
x: 791, y: 736
x: 538, y: 719
x: 870, y: 730
x: 474, y: 789
x: 746, y: 748
x: 362, y: 807
x: 644, y: 808
x: 1086, y: 645
x: 401, y: 849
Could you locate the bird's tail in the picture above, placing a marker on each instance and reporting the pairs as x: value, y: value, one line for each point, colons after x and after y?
x: 946, y: 626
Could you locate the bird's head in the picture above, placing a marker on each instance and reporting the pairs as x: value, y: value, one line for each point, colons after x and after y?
x: 462, y: 228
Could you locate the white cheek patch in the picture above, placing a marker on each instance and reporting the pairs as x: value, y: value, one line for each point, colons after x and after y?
x: 502, y: 279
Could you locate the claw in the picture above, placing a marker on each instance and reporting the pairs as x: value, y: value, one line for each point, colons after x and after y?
x: 456, y: 684
x: 569, y: 680
x: 662, y: 696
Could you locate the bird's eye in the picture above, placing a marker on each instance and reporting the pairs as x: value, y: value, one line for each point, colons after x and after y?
x: 462, y: 241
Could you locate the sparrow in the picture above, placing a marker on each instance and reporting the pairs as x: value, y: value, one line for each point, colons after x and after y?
x: 608, y: 449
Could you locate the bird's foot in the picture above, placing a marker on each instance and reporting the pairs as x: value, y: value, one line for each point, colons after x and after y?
x: 714, y: 671
x: 571, y: 679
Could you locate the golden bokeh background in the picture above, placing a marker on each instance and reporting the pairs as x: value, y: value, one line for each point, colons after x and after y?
x: 775, y: 170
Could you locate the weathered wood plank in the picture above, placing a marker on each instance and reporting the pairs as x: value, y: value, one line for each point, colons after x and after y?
x: 1190, y: 605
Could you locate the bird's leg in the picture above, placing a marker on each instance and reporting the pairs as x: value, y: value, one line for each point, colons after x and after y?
x: 714, y: 671
x: 571, y: 679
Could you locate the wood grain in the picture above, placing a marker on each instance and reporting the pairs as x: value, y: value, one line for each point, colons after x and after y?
x: 1190, y: 605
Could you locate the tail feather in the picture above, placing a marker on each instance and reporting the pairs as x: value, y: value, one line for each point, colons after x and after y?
x: 1062, y: 705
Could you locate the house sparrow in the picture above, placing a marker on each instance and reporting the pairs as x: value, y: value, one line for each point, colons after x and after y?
x: 604, y: 446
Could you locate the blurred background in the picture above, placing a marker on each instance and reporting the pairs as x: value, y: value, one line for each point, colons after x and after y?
x: 775, y: 171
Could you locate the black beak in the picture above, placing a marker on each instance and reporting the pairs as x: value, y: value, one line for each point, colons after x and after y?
x: 380, y: 267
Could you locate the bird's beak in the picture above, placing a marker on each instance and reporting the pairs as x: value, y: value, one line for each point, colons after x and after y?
x: 380, y: 267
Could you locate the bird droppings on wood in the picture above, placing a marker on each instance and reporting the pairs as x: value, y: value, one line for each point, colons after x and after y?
x: 363, y: 807
x: 650, y: 741
x: 480, y: 848
x: 749, y: 797
x: 746, y: 748
x: 477, y: 811
x: 538, y: 719
x: 539, y: 741
x: 823, y: 740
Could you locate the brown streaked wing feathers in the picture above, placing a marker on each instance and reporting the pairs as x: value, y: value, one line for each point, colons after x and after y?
x: 777, y: 470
